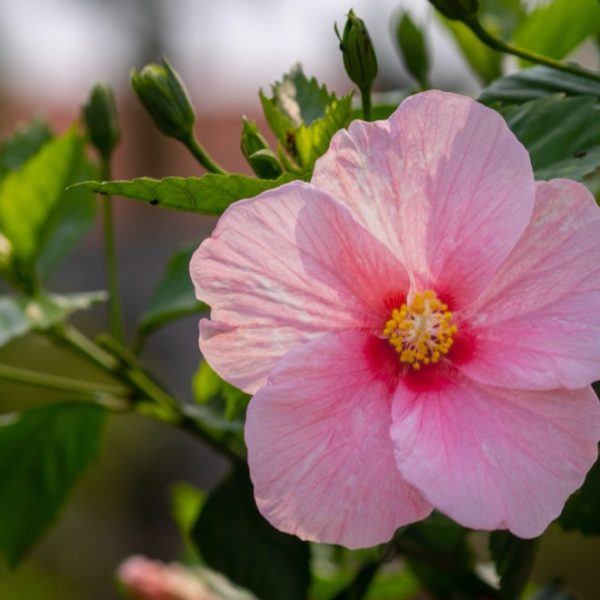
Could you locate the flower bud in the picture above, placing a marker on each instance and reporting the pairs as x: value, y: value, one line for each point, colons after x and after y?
x: 358, y: 52
x: 458, y: 10
x: 164, y: 96
x: 255, y: 148
x: 101, y: 120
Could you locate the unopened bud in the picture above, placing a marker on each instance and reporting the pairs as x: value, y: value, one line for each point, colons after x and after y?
x: 358, y: 52
x: 255, y: 148
x: 458, y: 10
x: 101, y: 120
x: 164, y: 96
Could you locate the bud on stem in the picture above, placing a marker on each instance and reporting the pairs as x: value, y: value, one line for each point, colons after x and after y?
x: 359, y: 57
x: 101, y: 120
x: 164, y: 96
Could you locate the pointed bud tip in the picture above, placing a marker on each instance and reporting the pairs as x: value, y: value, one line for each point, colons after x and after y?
x: 164, y: 96
x: 101, y: 119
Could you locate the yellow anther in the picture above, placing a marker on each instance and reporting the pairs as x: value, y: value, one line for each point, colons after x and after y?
x: 422, y: 331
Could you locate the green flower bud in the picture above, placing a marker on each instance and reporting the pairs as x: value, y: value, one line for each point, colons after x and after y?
x: 358, y: 52
x: 101, y: 120
x: 255, y: 148
x: 164, y: 96
x: 458, y: 10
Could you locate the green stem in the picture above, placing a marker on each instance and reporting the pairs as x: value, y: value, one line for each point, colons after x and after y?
x: 497, y: 44
x: 110, y: 259
x: 121, y: 364
x: 365, y: 96
x: 201, y: 155
x: 93, y: 391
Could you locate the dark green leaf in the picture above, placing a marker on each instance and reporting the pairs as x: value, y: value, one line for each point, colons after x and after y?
x: 26, y: 141
x: 174, y: 295
x: 514, y: 558
x: 44, y: 451
x: 28, y: 197
x: 581, y: 510
x: 570, y: 147
x: 438, y: 554
x: 538, y: 82
x: 412, y: 47
x: 235, y: 539
x: 19, y: 315
x: 557, y: 28
x: 210, y: 194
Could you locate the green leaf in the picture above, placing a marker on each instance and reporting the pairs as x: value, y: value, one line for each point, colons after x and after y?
x: 514, y: 558
x: 304, y: 115
x: 313, y: 140
x: 559, y: 27
x: 44, y: 451
x: 29, y: 196
x: 71, y: 219
x: 20, y: 315
x: 26, y: 141
x: 485, y: 62
x: 581, y: 510
x: 538, y: 82
x: 174, y: 295
x: 235, y: 539
x: 210, y: 194
x: 209, y: 388
x: 411, y: 43
x: 570, y: 147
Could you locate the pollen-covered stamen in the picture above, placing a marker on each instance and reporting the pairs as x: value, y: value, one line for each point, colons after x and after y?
x: 422, y: 331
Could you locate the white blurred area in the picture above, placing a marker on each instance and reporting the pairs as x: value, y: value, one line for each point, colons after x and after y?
x: 54, y: 50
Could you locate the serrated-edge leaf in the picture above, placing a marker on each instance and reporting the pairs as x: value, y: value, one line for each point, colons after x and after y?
x: 44, y: 451
x: 312, y: 141
x: 210, y: 194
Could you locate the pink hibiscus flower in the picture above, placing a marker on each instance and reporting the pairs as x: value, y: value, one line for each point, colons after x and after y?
x: 419, y: 326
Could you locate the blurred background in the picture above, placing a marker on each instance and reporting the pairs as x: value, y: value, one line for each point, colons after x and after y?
x: 51, y: 53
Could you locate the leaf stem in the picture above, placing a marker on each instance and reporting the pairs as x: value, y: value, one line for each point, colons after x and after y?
x: 497, y: 44
x: 93, y: 391
x: 201, y: 155
x: 110, y: 259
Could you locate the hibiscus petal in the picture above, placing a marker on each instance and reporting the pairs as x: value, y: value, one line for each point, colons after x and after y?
x: 319, y: 450
x: 538, y: 325
x: 280, y: 270
x: 494, y: 458
x: 444, y: 183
